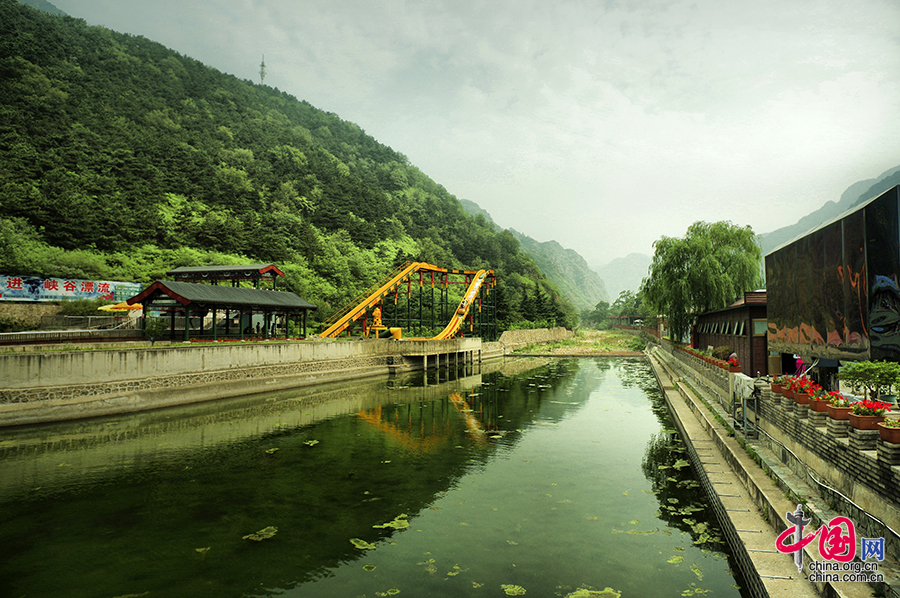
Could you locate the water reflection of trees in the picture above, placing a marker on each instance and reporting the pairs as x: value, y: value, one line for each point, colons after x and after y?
x: 682, y: 503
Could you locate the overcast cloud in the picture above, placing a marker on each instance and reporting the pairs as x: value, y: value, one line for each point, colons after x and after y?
x: 601, y: 125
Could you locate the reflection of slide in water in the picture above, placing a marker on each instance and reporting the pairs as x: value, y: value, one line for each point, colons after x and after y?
x: 358, y: 308
x: 472, y: 424
x: 405, y: 437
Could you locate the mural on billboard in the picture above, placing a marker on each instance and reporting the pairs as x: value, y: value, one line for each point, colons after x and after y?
x: 36, y: 288
x: 884, y: 315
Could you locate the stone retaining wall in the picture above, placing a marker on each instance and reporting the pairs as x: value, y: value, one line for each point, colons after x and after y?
x: 261, y: 373
x: 27, y: 312
x: 515, y: 339
x: 843, y: 471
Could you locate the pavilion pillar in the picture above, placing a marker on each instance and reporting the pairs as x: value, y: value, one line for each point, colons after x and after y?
x: 187, y: 323
x: 215, y: 327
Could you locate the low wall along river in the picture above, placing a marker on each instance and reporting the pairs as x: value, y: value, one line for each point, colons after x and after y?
x: 49, y: 385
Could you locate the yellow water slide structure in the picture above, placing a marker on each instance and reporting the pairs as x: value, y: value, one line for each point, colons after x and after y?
x: 459, y: 316
x: 368, y: 300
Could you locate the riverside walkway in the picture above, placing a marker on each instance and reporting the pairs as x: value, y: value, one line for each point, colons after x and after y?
x: 748, y: 502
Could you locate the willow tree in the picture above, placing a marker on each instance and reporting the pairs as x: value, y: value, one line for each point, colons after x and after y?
x: 712, y: 266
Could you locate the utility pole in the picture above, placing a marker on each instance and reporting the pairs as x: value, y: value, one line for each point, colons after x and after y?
x: 262, y: 70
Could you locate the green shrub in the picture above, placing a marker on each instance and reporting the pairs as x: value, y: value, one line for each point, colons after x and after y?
x: 155, y: 328
x: 722, y: 352
x: 82, y: 307
x: 636, y: 343
x: 14, y: 325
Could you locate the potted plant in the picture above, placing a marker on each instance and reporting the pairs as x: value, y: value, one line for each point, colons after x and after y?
x: 889, y: 430
x: 865, y: 414
x: 819, y: 399
x: 874, y: 377
x: 734, y: 365
x: 779, y: 382
x: 838, y: 407
x: 786, y: 389
x: 800, y: 388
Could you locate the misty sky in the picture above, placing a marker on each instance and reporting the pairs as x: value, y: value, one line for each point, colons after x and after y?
x: 601, y: 125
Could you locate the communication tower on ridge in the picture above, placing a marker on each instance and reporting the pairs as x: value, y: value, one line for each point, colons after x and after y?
x: 262, y: 70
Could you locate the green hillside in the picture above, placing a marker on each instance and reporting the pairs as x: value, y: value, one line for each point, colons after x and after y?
x: 122, y: 159
x: 565, y: 268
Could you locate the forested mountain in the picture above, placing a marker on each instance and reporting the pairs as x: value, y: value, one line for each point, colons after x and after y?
x: 122, y: 159
x: 565, y: 268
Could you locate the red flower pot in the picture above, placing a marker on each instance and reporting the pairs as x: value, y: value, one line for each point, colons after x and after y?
x: 889, y: 434
x: 820, y: 406
x: 802, y: 398
x: 787, y: 392
x: 840, y: 413
x: 864, y: 422
x: 734, y: 369
x: 777, y: 388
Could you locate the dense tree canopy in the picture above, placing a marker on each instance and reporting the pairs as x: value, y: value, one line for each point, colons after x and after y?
x: 123, y: 159
x: 712, y: 266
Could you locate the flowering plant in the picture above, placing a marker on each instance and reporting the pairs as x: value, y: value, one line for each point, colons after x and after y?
x: 820, y: 394
x: 802, y: 385
x: 733, y: 361
x: 838, y: 399
x: 867, y: 407
x: 891, y: 423
x: 782, y: 380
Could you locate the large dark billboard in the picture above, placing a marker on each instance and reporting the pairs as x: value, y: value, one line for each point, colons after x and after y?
x: 834, y: 292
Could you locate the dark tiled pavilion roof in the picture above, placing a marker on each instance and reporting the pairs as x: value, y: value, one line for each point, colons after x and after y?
x: 227, y: 272
x: 188, y: 293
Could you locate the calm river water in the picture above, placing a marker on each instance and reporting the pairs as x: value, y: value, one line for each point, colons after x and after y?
x: 542, y: 478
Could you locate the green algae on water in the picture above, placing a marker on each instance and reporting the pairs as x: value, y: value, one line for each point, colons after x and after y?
x: 399, y: 522
x: 585, y: 593
x: 512, y: 590
x: 263, y: 534
x: 361, y: 544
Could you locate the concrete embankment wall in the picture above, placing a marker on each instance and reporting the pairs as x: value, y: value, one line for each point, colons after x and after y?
x: 54, y: 385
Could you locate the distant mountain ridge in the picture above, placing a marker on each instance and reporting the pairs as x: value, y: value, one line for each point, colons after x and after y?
x: 855, y: 194
x: 565, y: 268
x: 44, y: 6
x: 624, y: 273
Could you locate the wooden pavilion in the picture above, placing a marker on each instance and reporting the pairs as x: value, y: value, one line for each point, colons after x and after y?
x: 196, y: 301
